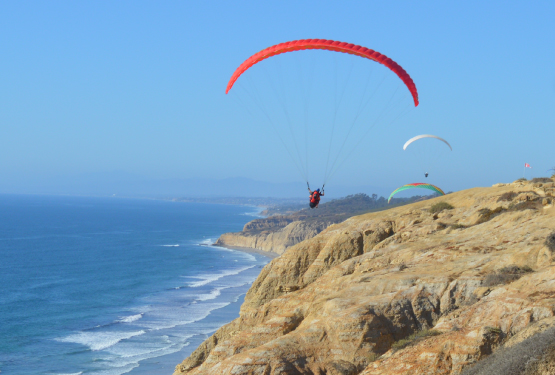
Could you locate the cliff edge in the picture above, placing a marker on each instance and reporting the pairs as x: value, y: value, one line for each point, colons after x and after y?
x: 279, y: 232
x: 428, y: 288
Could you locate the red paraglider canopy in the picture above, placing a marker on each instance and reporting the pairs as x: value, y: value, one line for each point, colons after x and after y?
x: 329, y: 45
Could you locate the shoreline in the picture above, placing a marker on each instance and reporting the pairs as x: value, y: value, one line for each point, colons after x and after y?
x: 267, y: 254
x: 170, y: 361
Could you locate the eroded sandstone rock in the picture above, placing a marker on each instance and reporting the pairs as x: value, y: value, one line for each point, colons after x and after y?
x: 339, y: 302
x: 273, y: 235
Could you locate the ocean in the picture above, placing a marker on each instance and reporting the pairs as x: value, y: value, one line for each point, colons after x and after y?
x: 111, y: 286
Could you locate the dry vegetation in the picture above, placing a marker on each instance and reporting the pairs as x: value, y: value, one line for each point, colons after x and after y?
x: 506, y: 275
x: 415, y: 337
x: 542, y: 179
x: 486, y: 214
x: 550, y: 242
x: 440, y: 206
x: 508, y: 196
x: 532, y: 356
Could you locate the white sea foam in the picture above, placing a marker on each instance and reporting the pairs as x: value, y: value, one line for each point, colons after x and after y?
x: 130, y: 319
x: 99, y: 340
x: 147, y: 347
x: 238, y: 297
x: 214, y: 293
x: 250, y: 257
x: 173, y: 317
x: 118, y: 370
x: 176, y: 245
x: 207, y: 242
x: 245, y: 255
x: 131, y: 356
x: 208, y: 278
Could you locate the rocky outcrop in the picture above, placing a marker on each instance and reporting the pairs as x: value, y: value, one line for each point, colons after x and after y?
x: 277, y: 233
x: 404, y: 291
x: 273, y: 234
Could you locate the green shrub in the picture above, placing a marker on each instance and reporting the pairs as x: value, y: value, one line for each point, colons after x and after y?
x: 506, y: 275
x: 495, y: 330
x: 440, y: 206
x: 413, y: 338
x: 457, y: 226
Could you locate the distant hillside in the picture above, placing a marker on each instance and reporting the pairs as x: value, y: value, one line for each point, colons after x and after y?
x: 350, y: 205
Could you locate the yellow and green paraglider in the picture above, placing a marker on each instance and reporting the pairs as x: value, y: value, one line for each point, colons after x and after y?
x: 417, y: 185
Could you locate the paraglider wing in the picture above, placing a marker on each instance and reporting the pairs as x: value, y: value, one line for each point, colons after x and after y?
x: 329, y: 45
x: 425, y: 136
x: 417, y: 185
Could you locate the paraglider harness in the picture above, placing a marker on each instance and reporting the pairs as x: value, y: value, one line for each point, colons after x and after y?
x: 315, y: 196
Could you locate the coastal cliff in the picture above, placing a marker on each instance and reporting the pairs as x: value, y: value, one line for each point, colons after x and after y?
x: 279, y: 232
x: 274, y: 238
x: 428, y: 288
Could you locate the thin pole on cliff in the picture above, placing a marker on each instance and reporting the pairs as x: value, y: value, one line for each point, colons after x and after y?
x: 526, y: 165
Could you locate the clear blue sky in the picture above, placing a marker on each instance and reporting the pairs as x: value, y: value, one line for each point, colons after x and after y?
x: 94, y: 87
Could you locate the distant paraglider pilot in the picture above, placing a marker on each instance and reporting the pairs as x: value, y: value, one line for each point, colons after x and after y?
x: 426, y: 174
x: 315, y: 197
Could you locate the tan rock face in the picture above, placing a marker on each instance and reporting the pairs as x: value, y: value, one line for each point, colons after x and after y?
x: 341, y: 302
x: 272, y: 234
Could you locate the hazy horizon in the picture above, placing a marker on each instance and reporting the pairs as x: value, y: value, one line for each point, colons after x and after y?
x: 129, y: 185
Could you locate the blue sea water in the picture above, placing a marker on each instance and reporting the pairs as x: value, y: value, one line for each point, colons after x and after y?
x: 114, y: 286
